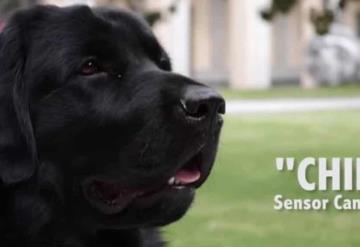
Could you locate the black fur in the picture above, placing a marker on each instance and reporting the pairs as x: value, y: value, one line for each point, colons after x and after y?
x: 65, y: 121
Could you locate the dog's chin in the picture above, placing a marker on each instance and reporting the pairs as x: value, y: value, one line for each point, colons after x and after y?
x: 157, y: 208
x: 161, y: 200
x: 160, y: 209
x: 158, y: 204
x: 111, y: 197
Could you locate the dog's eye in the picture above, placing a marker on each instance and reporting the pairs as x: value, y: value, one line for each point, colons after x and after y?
x: 90, y: 67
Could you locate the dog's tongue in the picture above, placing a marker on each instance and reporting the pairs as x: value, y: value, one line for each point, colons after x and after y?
x: 185, y: 176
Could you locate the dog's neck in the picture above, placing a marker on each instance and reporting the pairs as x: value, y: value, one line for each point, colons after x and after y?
x: 108, y: 238
x: 113, y: 238
x: 117, y: 238
x: 33, y: 225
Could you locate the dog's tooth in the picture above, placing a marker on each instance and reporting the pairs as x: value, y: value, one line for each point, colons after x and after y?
x: 171, y: 181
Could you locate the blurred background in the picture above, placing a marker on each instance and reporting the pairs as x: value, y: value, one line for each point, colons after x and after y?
x: 250, y: 44
x: 290, y: 72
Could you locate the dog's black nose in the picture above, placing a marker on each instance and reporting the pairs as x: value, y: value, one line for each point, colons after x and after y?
x: 200, y: 102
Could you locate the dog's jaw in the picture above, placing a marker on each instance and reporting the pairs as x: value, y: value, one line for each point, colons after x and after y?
x: 111, y: 197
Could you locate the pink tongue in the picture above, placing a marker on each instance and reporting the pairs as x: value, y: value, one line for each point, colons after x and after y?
x: 187, y: 176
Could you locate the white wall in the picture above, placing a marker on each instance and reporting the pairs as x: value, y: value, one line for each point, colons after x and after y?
x: 250, y: 45
x: 174, y: 34
x: 68, y: 2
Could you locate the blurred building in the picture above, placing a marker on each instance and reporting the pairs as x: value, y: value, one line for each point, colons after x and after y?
x: 230, y: 44
x: 67, y: 2
x: 226, y: 42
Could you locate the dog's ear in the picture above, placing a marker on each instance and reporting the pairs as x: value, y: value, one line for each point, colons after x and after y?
x: 18, y: 155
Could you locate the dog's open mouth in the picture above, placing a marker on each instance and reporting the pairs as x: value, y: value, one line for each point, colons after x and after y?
x: 112, y: 198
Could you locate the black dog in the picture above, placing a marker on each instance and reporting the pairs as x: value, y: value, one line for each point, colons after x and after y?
x: 99, y: 142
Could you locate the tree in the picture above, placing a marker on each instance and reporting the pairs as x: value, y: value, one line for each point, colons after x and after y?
x: 276, y: 7
x: 321, y: 19
x: 152, y: 16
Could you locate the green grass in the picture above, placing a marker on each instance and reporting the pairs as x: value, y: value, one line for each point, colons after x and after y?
x: 350, y: 90
x: 235, y: 207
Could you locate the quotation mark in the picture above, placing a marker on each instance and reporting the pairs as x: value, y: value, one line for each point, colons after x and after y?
x: 285, y: 164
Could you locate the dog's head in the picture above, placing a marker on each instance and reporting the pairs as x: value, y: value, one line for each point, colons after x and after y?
x: 94, y: 123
